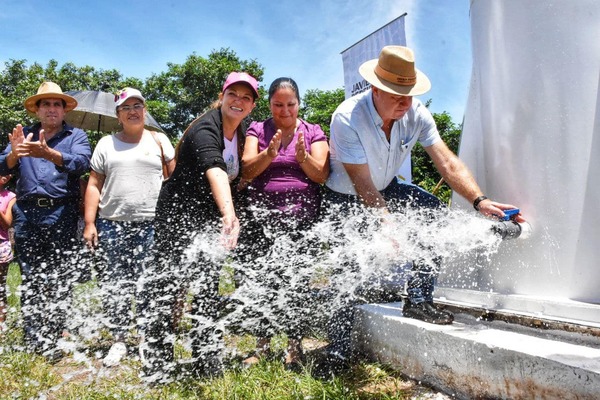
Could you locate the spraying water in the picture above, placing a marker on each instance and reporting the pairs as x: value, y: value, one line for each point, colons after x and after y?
x: 300, y: 280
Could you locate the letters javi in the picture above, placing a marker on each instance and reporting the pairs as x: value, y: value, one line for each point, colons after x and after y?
x: 359, y: 87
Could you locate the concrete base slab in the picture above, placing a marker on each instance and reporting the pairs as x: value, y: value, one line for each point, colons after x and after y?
x: 549, y: 308
x: 477, y: 359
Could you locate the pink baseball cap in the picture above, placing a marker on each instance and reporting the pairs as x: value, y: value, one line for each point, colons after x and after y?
x: 236, y: 77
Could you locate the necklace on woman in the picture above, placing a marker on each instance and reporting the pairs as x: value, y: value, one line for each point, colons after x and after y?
x: 288, y: 136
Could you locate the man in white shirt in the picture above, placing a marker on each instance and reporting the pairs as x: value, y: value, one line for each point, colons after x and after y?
x: 371, y: 135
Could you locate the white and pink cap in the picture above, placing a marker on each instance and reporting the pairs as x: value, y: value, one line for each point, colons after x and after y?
x: 127, y: 93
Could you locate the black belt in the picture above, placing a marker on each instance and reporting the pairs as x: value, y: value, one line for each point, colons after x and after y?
x: 46, y: 202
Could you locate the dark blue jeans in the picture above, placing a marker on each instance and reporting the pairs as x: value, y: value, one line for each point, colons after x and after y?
x: 420, y: 285
x: 45, y: 243
x: 126, y: 248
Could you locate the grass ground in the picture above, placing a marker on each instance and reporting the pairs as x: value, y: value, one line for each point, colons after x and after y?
x: 82, y: 376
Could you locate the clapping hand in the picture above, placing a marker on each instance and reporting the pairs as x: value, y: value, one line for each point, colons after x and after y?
x: 301, y: 153
x: 274, y: 144
x: 29, y: 148
x: 23, y: 146
x: 16, y: 139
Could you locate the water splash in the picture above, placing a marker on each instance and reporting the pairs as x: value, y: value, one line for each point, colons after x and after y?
x: 298, y: 281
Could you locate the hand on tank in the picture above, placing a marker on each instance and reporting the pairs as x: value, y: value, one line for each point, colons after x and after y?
x: 493, y: 209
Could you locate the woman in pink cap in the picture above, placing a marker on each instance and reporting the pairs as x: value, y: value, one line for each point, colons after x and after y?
x: 196, y: 223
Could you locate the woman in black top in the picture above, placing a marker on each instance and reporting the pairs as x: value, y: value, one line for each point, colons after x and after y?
x: 196, y: 208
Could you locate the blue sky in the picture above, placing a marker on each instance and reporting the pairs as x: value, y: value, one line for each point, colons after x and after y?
x: 301, y: 39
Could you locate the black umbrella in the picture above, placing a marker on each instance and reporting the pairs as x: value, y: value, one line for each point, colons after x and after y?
x: 95, y: 111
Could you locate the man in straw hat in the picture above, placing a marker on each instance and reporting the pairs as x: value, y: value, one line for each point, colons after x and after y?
x: 372, y: 133
x: 48, y: 159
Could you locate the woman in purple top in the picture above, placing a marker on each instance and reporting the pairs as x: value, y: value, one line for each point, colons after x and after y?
x: 286, y: 159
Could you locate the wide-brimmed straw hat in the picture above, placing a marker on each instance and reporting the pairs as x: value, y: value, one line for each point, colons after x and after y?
x: 49, y: 90
x: 394, y: 72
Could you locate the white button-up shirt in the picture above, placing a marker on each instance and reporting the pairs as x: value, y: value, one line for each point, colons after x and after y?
x: 357, y: 137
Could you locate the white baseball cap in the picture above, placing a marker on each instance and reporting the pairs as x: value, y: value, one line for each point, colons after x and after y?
x: 127, y: 93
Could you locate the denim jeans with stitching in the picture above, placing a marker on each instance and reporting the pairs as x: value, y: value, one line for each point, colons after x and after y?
x: 126, y: 248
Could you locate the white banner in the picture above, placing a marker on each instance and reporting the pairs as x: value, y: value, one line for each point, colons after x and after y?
x: 368, y: 49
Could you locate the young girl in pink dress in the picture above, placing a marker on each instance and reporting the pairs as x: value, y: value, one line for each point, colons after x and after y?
x: 7, y: 200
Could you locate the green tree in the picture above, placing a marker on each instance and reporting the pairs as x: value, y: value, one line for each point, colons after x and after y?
x: 186, y: 90
x: 183, y: 92
x: 318, y: 106
x: 424, y: 172
x: 19, y: 81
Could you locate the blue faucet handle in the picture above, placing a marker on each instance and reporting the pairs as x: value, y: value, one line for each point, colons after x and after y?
x: 510, y: 214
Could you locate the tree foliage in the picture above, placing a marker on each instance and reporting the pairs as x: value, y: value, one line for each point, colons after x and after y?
x: 174, y: 98
x: 424, y: 172
x: 183, y: 92
x: 318, y: 106
x: 186, y: 90
x: 19, y: 81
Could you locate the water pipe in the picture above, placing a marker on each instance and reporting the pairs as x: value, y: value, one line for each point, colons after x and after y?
x: 511, y: 229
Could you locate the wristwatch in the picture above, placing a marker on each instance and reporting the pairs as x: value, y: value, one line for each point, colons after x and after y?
x: 477, y: 201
